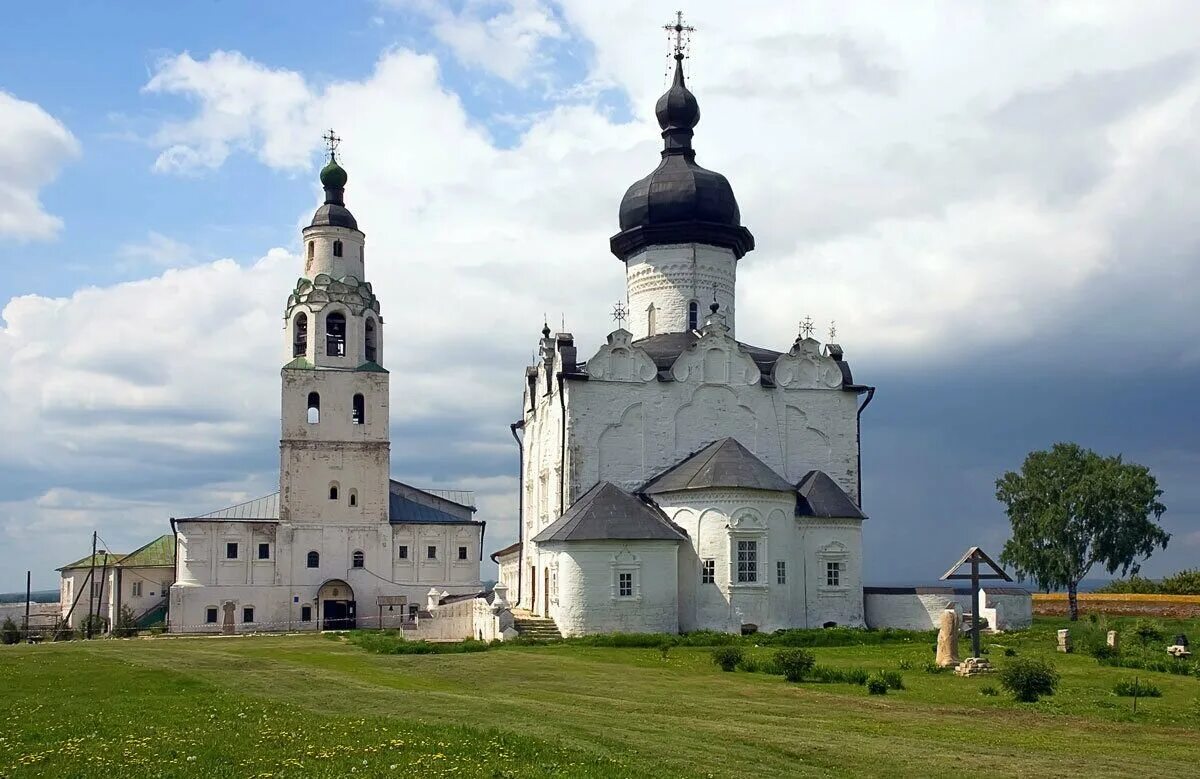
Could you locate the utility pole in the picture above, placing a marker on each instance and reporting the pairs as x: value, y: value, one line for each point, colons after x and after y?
x: 91, y: 584
x: 28, y: 577
x: 100, y: 600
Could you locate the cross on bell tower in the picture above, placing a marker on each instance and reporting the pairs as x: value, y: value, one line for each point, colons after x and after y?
x: 331, y: 143
x: 681, y: 33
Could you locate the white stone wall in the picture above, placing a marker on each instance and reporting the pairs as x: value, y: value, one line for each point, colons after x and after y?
x: 279, y: 587
x: 321, y: 238
x: 906, y: 610
x: 670, y: 277
x: 584, y: 593
x: 1007, y: 610
x: 716, y: 519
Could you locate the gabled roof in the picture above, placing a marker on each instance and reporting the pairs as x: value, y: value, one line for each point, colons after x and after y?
x: 608, y: 513
x: 158, y: 553
x: 264, y: 508
x: 100, y: 559
x: 412, y: 505
x: 724, y: 463
x: 820, y: 496
x: 510, y: 549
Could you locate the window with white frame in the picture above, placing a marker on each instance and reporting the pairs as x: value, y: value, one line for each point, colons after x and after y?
x: 626, y: 577
x: 780, y: 572
x: 747, y: 561
x: 231, y: 550
x: 708, y: 571
x: 625, y: 584
x: 136, y: 589
x: 402, y: 552
x: 833, y: 574
x: 833, y: 560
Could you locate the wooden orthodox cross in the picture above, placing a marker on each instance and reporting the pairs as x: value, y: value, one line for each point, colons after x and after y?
x: 975, y: 556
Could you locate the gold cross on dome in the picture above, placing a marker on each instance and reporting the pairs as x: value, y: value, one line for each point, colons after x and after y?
x: 331, y: 142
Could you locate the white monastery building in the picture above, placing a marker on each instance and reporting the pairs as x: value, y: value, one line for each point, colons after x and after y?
x: 681, y: 479
x: 341, y: 544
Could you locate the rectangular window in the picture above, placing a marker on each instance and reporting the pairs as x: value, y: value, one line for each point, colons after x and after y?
x: 402, y: 552
x: 264, y: 551
x: 231, y: 550
x: 95, y: 589
x: 431, y: 552
x: 137, y: 589
x: 248, y: 614
x: 306, y: 613
x: 462, y: 553
x: 780, y: 572
x: 625, y: 585
x: 413, y: 610
x: 747, y: 562
x: 833, y: 574
x: 708, y: 571
x: 210, y: 615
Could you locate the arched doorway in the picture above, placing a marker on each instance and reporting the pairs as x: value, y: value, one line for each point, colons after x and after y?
x: 336, y: 601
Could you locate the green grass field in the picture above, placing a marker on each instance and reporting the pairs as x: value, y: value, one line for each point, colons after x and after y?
x: 308, y: 706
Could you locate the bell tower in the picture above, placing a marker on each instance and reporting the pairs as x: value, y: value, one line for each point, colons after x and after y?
x: 334, y: 448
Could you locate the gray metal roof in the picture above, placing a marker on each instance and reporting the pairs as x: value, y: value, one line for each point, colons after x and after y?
x: 266, y: 507
x: 724, y: 463
x: 820, y: 496
x: 608, y: 513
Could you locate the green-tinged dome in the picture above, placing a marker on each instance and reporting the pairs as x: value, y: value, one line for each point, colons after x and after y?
x: 333, y: 176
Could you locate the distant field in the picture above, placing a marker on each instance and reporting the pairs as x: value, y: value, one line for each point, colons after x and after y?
x: 308, y: 706
x: 1167, y: 606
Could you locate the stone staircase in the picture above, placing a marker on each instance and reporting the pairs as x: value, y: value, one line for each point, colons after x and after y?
x: 537, y: 628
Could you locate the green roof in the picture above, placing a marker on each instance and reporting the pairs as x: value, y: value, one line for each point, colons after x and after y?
x: 159, y: 552
x: 371, y: 366
x: 300, y: 362
x: 101, y: 559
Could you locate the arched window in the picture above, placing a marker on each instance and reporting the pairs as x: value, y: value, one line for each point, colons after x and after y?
x: 353, y: 497
x: 651, y: 320
x: 314, y: 560
x: 693, y: 315
x: 335, y: 334
x: 369, y: 340
x: 358, y: 560
x: 300, y: 335
x: 337, y: 248
x: 359, y: 415
x: 314, y: 408
x: 333, y: 490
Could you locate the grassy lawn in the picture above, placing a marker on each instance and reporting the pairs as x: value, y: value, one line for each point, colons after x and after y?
x: 313, y: 707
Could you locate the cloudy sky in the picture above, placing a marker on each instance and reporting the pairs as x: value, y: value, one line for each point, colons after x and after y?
x: 997, y: 202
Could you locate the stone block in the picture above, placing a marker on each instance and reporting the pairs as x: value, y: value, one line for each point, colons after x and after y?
x: 1064, y: 640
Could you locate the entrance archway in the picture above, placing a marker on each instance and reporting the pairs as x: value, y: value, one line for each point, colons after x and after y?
x: 336, y: 600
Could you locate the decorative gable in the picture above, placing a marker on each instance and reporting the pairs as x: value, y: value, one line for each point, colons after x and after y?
x: 805, y: 367
x: 620, y: 360
x: 715, y: 358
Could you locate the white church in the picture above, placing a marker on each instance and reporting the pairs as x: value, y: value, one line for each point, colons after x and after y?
x: 341, y: 544
x: 681, y: 479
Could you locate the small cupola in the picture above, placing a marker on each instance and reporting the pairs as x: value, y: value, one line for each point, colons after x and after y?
x: 333, y: 211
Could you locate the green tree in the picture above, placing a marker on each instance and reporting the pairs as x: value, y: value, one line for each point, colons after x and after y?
x: 10, y: 633
x: 126, y: 626
x: 1071, y: 508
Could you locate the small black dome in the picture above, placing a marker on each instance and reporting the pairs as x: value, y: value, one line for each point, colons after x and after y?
x: 680, y: 202
x: 333, y: 212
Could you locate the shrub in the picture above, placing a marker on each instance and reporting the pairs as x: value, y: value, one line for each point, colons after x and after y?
x: 892, y: 679
x: 1183, y: 583
x: 9, y: 632
x: 1147, y: 632
x: 1134, y: 585
x: 1029, y: 679
x: 905, y: 664
x: 823, y: 673
x: 1136, y: 689
x: 126, y: 626
x: 1010, y: 652
x: 989, y: 691
x: 795, y: 663
x: 931, y: 667
x: 876, y: 686
x: 727, y: 657
x: 394, y: 645
x: 1103, y: 652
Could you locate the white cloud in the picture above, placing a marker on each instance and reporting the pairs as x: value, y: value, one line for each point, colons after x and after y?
x: 33, y: 147
x: 156, y: 251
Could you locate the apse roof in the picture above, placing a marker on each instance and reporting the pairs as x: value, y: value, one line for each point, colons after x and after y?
x: 608, y: 513
x: 820, y: 496
x: 724, y: 463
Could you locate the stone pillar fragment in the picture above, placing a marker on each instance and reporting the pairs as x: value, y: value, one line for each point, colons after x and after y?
x: 947, y: 641
x: 1064, y: 640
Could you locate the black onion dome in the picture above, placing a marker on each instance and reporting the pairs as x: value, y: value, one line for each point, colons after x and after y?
x: 333, y: 212
x: 680, y: 202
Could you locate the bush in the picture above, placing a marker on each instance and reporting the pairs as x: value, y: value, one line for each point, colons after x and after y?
x: 904, y: 665
x: 989, y: 691
x: 823, y: 673
x: 126, y: 626
x: 892, y: 679
x: 727, y: 657
x: 1147, y: 632
x: 876, y: 686
x: 1136, y: 689
x: 9, y: 632
x: 1029, y: 679
x: 384, y: 644
x: 1010, y: 652
x: 930, y: 667
x: 1103, y: 652
x: 1134, y: 585
x: 1183, y: 583
x: 795, y: 663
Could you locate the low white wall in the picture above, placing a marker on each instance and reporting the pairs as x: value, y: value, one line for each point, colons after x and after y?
x: 1007, y: 608
x: 919, y: 608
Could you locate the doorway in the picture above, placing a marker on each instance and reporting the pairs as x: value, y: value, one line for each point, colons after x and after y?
x: 336, y: 600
